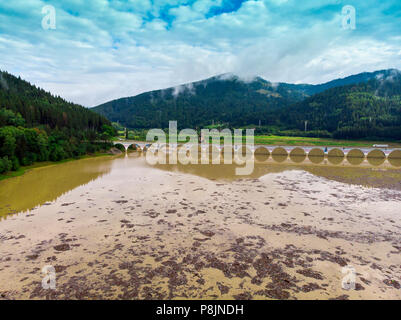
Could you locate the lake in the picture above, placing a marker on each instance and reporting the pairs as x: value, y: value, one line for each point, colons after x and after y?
x: 119, y: 228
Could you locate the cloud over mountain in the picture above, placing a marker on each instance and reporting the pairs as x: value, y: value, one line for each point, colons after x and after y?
x: 103, y: 50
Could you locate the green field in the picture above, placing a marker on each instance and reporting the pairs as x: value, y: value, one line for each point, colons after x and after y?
x: 302, y: 141
x: 293, y: 141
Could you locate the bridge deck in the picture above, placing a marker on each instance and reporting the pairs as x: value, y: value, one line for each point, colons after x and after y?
x: 345, y: 150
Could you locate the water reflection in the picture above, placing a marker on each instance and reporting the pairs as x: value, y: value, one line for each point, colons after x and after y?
x: 394, y: 158
x: 261, y: 154
x: 220, y: 172
x: 42, y: 185
x: 336, y: 160
x: 316, y: 159
x: 279, y: 155
x: 360, y: 175
x: 355, y: 157
x: 46, y: 184
x: 376, y: 157
x: 298, y: 155
x: 316, y: 156
x: 395, y: 162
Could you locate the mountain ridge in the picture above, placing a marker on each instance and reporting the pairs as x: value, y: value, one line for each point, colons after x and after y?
x: 226, y: 99
x: 352, y: 79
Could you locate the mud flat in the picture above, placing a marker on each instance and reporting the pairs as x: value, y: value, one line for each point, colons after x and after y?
x: 138, y: 232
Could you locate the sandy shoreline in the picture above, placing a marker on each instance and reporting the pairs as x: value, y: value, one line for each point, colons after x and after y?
x: 141, y: 233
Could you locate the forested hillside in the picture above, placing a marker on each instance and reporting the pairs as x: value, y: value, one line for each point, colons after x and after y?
x: 371, y: 109
x: 36, y: 126
x: 224, y: 99
x: 366, y: 105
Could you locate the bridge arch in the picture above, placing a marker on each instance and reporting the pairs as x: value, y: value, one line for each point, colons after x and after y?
x: 261, y: 154
x: 394, y: 158
x: 335, y: 156
x: 134, y: 147
x: 243, y: 153
x: 120, y: 147
x: 146, y: 147
x: 376, y: 157
x: 316, y: 155
x: 279, y: 154
x: 297, y: 155
x: 355, y: 157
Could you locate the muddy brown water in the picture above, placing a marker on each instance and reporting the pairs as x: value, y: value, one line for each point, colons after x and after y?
x: 119, y: 228
x: 46, y: 184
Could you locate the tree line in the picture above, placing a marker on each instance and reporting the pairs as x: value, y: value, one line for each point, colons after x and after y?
x: 367, y: 109
x: 37, y: 126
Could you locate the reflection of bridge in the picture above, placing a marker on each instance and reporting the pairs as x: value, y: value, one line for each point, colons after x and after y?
x: 127, y: 144
x: 295, y: 150
x: 261, y: 153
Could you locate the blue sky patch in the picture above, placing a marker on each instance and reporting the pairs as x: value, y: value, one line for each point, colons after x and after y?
x: 100, y: 50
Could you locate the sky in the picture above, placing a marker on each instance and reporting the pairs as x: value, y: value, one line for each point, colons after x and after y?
x: 93, y: 51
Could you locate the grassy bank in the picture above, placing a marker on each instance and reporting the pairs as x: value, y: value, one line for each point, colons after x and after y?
x: 23, y: 169
x: 282, y: 140
x: 304, y: 141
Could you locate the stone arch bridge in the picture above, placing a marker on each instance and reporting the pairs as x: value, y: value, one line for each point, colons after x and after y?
x: 333, y: 151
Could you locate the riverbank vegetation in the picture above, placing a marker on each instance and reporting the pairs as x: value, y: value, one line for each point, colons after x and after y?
x: 36, y: 126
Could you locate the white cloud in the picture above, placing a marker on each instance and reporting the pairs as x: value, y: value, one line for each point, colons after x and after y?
x: 104, y: 50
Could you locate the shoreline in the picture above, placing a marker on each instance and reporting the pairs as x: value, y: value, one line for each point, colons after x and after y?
x: 24, y: 169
